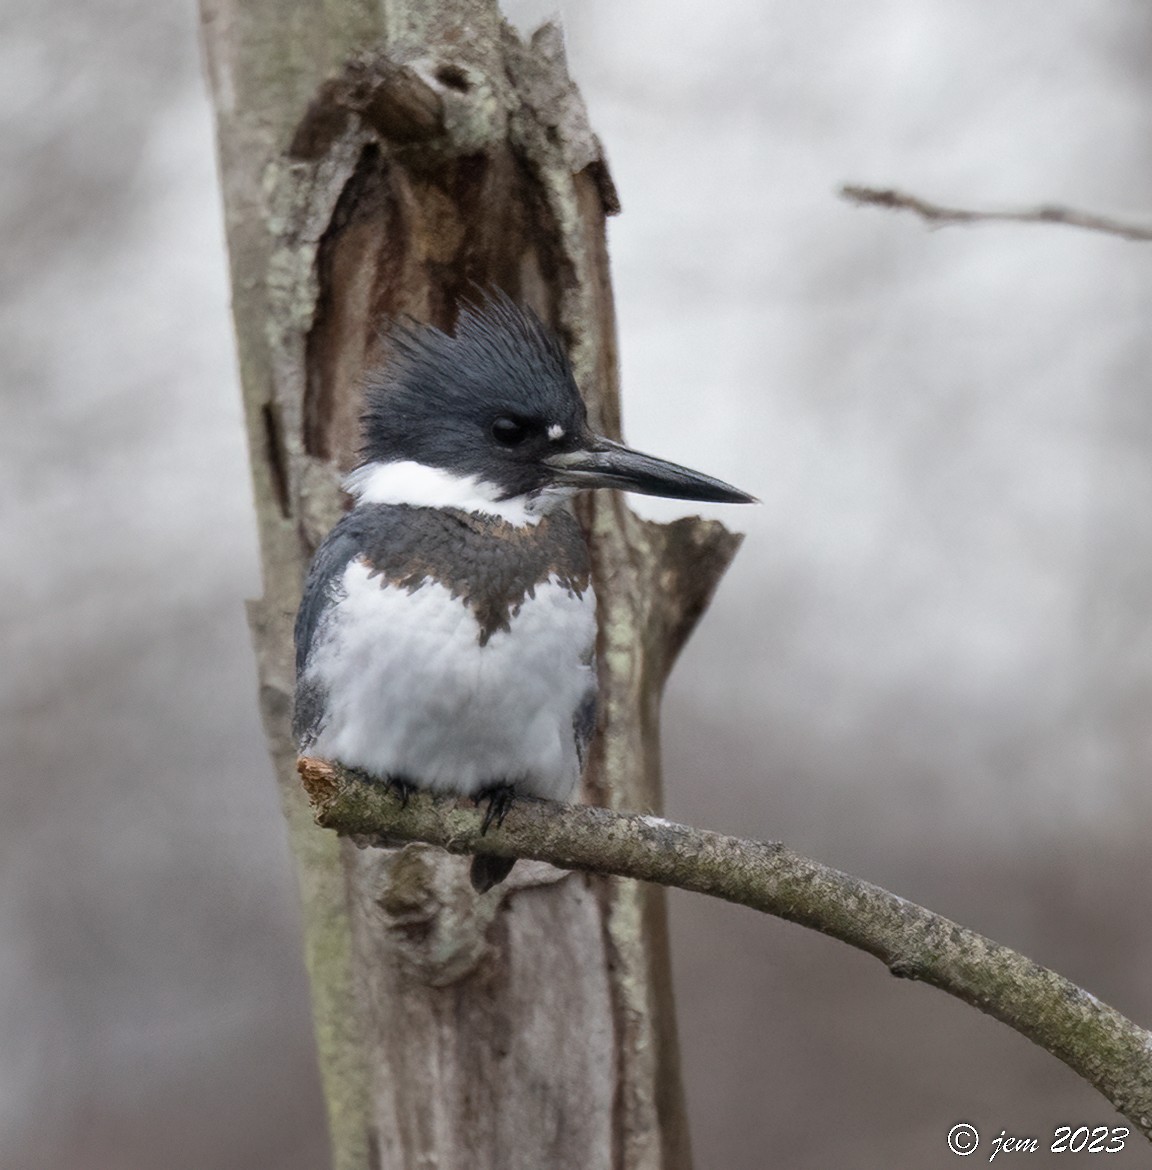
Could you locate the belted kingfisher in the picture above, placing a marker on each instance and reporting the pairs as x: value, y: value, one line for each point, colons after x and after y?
x: 446, y: 635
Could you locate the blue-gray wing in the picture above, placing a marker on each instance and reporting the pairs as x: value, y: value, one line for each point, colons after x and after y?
x: 320, y: 593
x: 584, y: 725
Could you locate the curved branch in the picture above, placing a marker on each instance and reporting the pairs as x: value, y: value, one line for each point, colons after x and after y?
x: 940, y: 216
x: 1102, y: 1046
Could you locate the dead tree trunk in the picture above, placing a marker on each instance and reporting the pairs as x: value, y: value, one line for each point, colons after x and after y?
x: 386, y: 160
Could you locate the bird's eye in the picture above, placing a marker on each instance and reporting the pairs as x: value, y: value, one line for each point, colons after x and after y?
x: 509, y: 432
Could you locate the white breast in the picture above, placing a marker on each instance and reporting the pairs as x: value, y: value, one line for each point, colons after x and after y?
x: 412, y: 693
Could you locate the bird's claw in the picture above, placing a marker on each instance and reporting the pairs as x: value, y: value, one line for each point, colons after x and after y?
x: 402, y: 786
x: 500, y: 798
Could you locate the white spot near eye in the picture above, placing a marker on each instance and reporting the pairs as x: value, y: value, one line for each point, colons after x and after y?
x: 555, y: 431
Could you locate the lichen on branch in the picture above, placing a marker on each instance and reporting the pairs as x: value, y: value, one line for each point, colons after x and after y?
x: 1109, y: 1051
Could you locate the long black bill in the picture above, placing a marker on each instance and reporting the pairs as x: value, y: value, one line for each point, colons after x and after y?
x: 612, y: 465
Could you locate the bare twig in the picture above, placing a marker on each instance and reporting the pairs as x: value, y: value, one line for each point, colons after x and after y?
x: 941, y: 216
x: 1102, y: 1046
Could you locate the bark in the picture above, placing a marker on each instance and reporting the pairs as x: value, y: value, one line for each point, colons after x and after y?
x: 381, y: 162
x: 1110, y: 1052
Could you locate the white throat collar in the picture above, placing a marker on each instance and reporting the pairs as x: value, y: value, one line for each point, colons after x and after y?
x: 421, y: 486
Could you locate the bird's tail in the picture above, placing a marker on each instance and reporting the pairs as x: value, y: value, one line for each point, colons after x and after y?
x: 488, y: 871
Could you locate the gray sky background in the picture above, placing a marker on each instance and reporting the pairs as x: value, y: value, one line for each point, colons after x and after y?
x: 930, y: 664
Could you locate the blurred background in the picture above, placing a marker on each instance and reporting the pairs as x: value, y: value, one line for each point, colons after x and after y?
x: 931, y: 664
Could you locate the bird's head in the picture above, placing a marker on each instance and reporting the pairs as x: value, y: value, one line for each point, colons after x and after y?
x: 490, y: 420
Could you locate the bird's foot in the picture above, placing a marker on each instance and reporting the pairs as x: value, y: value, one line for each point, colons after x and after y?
x: 401, y: 786
x: 500, y: 798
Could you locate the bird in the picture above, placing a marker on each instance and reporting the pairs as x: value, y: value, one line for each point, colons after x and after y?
x: 445, y: 639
